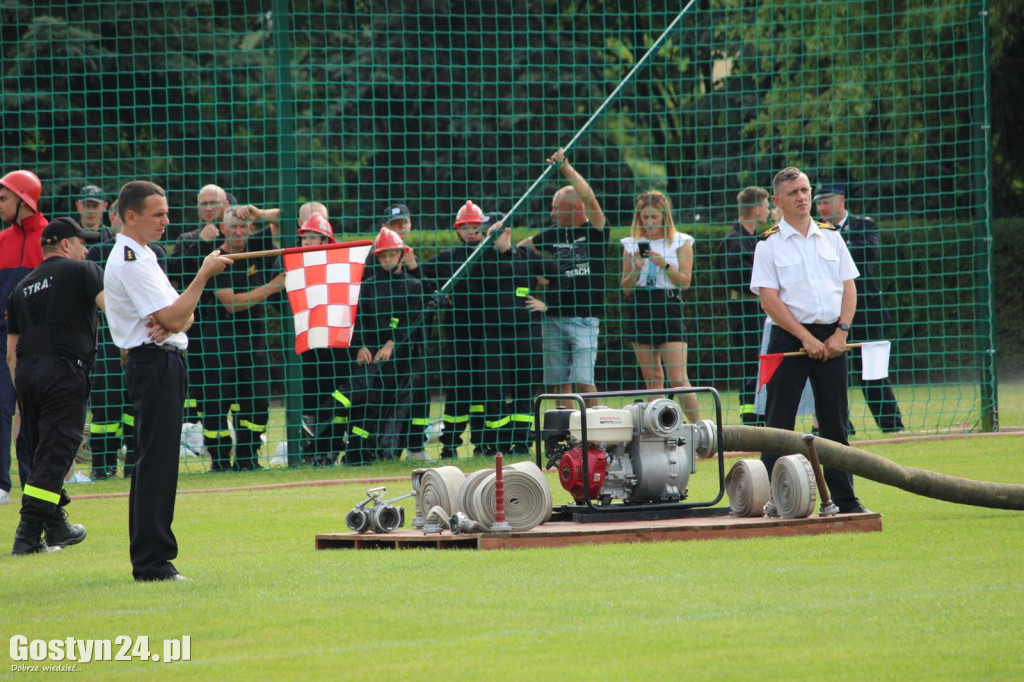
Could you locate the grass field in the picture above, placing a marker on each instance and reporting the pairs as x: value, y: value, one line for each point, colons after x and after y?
x: 938, y: 594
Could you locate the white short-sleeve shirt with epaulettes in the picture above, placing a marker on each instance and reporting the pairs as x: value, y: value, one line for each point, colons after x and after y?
x: 808, y: 272
x: 652, y: 276
x: 134, y: 288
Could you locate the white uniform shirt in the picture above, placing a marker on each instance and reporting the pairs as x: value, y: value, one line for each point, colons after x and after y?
x: 808, y: 272
x: 134, y: 288
x: 652, y: 276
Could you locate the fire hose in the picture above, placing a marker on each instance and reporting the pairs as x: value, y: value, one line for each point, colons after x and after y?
x: 793, y: 488
x: 528, y: 500
x: 748, y: 487
x: 436, y: 488
x: 873, y: 467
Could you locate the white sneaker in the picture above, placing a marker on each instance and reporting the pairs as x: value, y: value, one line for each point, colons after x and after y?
x: 416, y: 455
x: 5, y: 497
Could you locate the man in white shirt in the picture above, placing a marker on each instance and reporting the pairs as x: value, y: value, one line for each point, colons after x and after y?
x: 139, y: 295
x: 804, y: 276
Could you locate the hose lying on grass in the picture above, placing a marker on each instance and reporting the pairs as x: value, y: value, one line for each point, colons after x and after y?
x: 867, y: 465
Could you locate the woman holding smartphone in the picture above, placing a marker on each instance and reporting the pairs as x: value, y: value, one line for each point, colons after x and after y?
x: 657, y: 265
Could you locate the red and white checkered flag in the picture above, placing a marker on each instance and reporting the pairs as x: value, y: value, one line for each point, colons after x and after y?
x: 323, y: 289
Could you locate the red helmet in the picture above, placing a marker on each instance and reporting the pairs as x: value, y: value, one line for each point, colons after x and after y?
x: 388, y: 239
x: 470, y: 213
x: 26, y: 185
x: 317, y: 224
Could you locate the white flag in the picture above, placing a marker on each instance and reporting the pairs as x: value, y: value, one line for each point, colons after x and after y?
x: 874, y: 357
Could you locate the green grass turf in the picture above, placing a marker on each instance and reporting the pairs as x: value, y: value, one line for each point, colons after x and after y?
x: 938, y: 594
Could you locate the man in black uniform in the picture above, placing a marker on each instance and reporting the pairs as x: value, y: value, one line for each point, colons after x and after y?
x: 510, y: 332
x: 861, y: 236
x: 238, y: 371
x: 112, y: 419
x: 736, y: 260
x: 463, y: 405
x: 51, y: 342
x: 388, y: 339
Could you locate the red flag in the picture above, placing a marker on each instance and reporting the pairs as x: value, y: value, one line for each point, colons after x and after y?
x: 323, y: 289
x: 769, y: 363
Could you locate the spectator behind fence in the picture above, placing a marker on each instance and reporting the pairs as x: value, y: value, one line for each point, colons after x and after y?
x: 238, y: 369
x: 862, y: 238
x: 463, y: 380
x: 113, y: 422
x: 575, y: 299
x: 735, y: 262
x: 90, y: 204
x: 388, y: 339
x: 137, y: 293
x: 657, y: 266
x: 804, y: 275
x: 20, y: 252
x: 510, y: 332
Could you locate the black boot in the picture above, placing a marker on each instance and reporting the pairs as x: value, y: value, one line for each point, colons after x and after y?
x: 28, y: 539
x: 59, y: 532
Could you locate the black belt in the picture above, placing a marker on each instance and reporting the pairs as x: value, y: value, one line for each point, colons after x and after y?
x: 821, y: 327
x: 166, y: 348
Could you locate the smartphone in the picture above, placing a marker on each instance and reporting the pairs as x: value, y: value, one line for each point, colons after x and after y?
x: 643, y: 248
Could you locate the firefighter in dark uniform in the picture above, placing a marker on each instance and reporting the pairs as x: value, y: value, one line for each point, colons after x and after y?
x: 736, y: 260
x: 51, y: 338
x: 137, y: 293
x: 238, y: 372
x: 804, y: 275
x: 861, y: 236
x: 388, y: 340
x: 510, y: 333
x: 464, y: 388
x: 112, y: 421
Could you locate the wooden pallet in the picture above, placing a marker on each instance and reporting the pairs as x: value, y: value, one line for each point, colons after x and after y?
x: 564, y: 533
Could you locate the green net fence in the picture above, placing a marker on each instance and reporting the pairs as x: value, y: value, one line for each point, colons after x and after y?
x: 363, y: 106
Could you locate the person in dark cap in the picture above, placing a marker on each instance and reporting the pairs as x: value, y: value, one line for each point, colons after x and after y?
x: 398, y: 219
x: 51, y: 343
x: 91, y: 203
x: 862, y: 238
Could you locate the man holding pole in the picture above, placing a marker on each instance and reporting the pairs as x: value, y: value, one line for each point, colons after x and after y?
x: 137, y: 293
x: 804, y: 276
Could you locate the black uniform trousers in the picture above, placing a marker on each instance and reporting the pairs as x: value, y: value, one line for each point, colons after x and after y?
x: 510, y: 359
x: 746, y: 324
x: 112, y: 420
x: 157, y: 382
x: 464, y: 386
x: 828, y: 382
x: 52, y: 392
x: 878, y: 393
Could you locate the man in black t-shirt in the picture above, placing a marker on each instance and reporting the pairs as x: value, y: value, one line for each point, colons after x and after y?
x: 575, y: 300
x: 237, y: 371
x: 51, y: 342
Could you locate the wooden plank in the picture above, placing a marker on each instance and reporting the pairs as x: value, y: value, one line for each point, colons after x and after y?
x: 563, y: 533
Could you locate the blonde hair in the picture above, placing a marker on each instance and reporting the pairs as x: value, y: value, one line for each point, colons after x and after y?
x: 656, y: 200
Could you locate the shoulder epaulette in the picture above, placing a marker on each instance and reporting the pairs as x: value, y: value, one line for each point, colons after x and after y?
x: 825, y: 226
x: 769, y: 232
x: 129, y: 255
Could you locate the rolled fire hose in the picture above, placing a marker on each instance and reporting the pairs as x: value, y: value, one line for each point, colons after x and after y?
x: 748, y: 487
x: 794, y: 491
x: 468, y: 490
x: 436, y: 520
x: 437, y: 488
x: 527, y: 498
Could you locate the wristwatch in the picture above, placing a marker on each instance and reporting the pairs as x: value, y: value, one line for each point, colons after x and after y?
x: 845, y: 327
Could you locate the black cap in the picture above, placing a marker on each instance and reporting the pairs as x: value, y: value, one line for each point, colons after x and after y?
x: 92, y: 193
x: 66, y: 228
x: 397, y: 212
x: 491, y: 219
x: 827, y: 189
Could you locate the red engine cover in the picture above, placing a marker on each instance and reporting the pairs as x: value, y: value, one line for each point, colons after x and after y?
x: 570, y: 472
